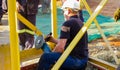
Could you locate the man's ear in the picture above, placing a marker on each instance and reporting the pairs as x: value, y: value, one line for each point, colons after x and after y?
x: 66, y: 12
x: 69, y: 11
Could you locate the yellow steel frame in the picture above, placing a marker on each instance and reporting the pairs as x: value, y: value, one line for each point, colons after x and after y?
x: 101, y: 63
x: 5, y: 63
x: 30, y: 54
x: 12, y: 53
x: 14, y: 49
x: 14, y: 64
x: 54, y: 19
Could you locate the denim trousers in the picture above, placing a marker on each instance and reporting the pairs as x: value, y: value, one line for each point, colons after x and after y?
x: 47, y: 61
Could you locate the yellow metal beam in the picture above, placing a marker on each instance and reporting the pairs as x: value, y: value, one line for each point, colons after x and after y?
x: 14, y: 49
x: 5, y: 63
x: 54, y: 18
x: 30, y: 54
x: 79, y: 35
x: 25, y: 55
x: 102, y: 63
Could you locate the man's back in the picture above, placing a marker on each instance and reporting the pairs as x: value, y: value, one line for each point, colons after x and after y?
x: 74, y: 24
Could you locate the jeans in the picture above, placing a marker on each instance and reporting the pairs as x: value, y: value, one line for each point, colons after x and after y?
x: 46, y: 48
x: 47, y: 60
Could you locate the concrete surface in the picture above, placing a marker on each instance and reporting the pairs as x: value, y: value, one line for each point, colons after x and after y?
x: 4, y: 30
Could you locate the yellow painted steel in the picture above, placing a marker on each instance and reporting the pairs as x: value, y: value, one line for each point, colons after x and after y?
x: 101, y: 32
x: 101, y: 63
x: 54, y: 18
x: 79, y: 35
x: 81, y: 4
x: 12, y: 53
x: 5, y: 63
x: 52, y: 45
x: 30, y: 54
x: 14, y: 49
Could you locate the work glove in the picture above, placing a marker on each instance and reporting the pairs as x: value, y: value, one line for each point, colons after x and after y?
x: 47, y: 38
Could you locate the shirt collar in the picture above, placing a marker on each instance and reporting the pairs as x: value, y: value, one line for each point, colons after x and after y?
x: 75, y: 16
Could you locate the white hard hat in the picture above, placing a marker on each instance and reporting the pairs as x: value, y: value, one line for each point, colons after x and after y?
x: 73, y: 4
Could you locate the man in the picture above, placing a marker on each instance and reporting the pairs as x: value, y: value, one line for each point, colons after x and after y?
x: 28, y: 9
x: 79, y: 55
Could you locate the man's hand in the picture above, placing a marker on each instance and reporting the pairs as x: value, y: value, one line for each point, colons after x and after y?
x: 47, y: 38
x: 19, y: 7
x: 60, y: 46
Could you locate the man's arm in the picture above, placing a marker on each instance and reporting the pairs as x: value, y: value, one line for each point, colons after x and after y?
x: 60, y: 45
x: 19, y: 7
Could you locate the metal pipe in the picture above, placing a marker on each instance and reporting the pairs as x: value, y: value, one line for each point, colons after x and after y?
x: 14, y: 49
x: 54, y: 18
